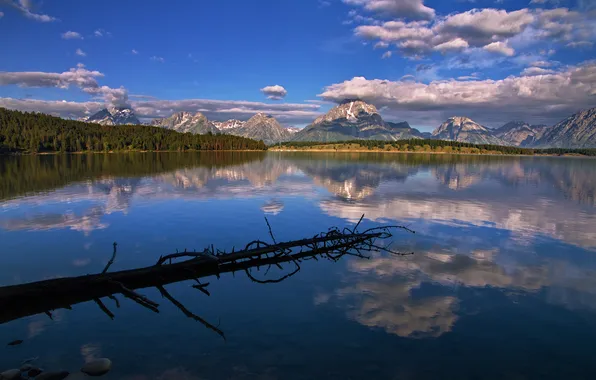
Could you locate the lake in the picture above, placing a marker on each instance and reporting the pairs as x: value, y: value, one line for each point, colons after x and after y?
x: 502, y: 282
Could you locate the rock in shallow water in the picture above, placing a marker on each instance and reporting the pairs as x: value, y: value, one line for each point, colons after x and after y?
x: 33, y: 372
x: 61, y: 375
x: 11, y: 374
x: 97, y: 367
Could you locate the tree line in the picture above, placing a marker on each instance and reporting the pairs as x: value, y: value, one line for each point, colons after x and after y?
x: 424, y: 145
x: 37, y: 133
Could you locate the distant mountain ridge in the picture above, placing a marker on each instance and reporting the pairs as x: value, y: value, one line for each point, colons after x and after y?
x: 463, y: 129
x: 520, y: 133
x: 262, y: 127
x: 355, y: 119
x: 577, y: 131
x: 114, y: 116
x: 186, y: 122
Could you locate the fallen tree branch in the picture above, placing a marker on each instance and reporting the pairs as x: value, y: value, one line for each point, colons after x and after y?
x: 38, y: 297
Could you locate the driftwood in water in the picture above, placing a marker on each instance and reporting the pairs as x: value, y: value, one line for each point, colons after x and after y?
x: 44, y: 296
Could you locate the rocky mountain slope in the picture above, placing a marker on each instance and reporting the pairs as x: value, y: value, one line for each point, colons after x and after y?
x: 354, y: 119
x: 577, y: 131
x: 114, y: 116
x: 519, y: 133
x: 262, y: 127
x: 463, y: 129
x: 186, y: 122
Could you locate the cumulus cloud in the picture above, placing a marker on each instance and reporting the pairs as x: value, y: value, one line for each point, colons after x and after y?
x: 500, y: 48
x: 80, y: 53
x: 497, y: 31
x: 387, y: 54
x: 62, y: 108
x: 413, y: 9
x: 453, y: 45
x: 79, y: 77
x: 275, y: 92
x: 551, y: 96
x: 70, y: 35
x: 157, y: 59
x: 134, y: 51
x: 24, y: 7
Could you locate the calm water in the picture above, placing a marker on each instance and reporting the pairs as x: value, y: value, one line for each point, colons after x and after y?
x: 502, y: 283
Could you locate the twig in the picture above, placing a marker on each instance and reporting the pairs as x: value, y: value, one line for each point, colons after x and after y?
x: 188, y: 313
x: 270, y: 232
x: 104, y: 308
x: 202, y: 287
x: 275, y: 281
x: 109, y: 264
x: 138, y: 298
x: 112, y: 297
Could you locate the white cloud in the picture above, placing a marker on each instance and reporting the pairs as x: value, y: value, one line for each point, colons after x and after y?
x: 79, y: 77
x: 542, y: 64
x: 381, y: 45
x: 453, y: 45
x: 101, y: 33
x: 499, y: 47
x: 157, y: 59
x: 1, y: 14
x: 275, y: 92
x: 387, y: 54
x: 482, y: 26
x: 497, y: 31
x: 23, y: 6
x: 413, y: 9
x: 70, y: 35
x: 81, y: 53
x: 135, y: 52
x: 530, y: 71
x: 552, y: 96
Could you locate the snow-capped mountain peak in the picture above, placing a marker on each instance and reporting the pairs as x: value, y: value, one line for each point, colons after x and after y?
x: 114, y: 116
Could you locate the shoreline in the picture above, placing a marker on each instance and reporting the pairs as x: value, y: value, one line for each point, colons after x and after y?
x: 437, y: 153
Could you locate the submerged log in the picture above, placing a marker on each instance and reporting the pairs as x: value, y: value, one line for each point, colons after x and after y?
x: 44, y: 296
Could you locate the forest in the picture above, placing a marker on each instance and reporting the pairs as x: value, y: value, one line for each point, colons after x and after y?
x: 423, y: 145
x: 37, y: 133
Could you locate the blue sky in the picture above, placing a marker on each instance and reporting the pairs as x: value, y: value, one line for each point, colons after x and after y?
x: 419, y: 61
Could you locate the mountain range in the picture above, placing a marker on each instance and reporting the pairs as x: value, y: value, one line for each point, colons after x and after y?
x: 355, y: 119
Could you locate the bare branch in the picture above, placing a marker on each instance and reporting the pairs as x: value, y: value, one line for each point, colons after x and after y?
x: 104, y: 308
x: 188, y: 313
x: 109, y: 264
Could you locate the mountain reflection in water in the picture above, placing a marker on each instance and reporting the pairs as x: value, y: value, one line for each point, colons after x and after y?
x: 503, y: 267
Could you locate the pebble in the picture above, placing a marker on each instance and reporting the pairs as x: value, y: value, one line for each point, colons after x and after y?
x: 11, y: 374
x: 33, y: 371
x: 53, y: 375
x: 15, y: 342
x: 97, y: 367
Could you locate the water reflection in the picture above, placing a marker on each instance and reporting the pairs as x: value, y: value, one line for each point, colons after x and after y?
x: 498, y: 238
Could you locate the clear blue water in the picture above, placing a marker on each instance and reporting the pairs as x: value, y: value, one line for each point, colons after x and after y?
x: 502, y: 283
